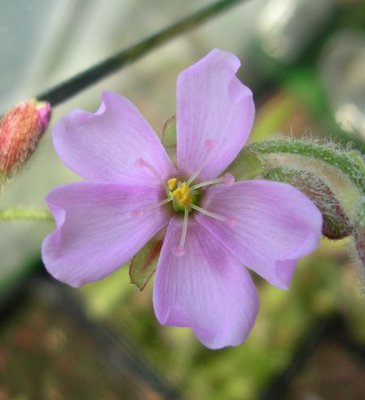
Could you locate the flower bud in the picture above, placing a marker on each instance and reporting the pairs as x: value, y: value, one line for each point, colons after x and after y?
x: 360, y: 247
x: 20, y: 130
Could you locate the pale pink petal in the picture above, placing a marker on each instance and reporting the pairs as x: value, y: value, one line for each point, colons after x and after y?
x: 107, y: 146
x: 206, y: 288
x: 99, y: 227
x: 215, y: 112
x: 269, y: 226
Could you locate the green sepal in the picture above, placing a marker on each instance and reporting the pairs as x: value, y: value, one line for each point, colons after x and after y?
x: 247, y: 165
x: 144, y: 263
x: 168, y: 137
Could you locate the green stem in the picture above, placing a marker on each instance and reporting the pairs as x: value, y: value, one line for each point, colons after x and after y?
x: 34, y: 214
x: 84, y: 79
x: 349, y: 162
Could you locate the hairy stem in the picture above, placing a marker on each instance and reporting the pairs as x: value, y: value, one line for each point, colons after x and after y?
x: 349, y: 162
x: 11, y: 214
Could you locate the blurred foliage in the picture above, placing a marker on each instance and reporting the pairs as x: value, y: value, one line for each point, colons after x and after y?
x: 324, y: 282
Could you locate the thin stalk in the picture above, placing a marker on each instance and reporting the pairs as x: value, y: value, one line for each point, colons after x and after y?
x: 11, y: 214
x: 84, y: 79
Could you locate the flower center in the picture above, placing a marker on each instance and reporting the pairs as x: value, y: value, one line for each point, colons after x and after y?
x: 185, y: 196
x: 182, y: 195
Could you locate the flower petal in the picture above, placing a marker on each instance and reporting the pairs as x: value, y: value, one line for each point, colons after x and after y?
x: 269, y: 226
x: 215, y: 113
x: 106, y: 146
x: 99, y: 227
x: 206, y: 288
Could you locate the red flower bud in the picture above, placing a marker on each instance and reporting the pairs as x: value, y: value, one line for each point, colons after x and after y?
x: 20, y: 130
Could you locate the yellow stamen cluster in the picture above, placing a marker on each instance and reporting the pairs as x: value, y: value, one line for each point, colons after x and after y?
x: 180, y: 192
x: 172, y: 184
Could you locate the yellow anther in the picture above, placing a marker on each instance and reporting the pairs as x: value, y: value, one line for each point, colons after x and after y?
x: 171, y: 184
x: 182, y: 195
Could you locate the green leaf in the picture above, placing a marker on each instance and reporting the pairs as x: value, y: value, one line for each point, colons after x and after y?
x: 143, y: 264
x: 247, y: 165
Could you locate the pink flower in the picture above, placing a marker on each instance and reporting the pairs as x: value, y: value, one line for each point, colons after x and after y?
x: 215, y: 228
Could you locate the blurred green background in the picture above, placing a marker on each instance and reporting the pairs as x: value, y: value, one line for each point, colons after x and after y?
x: 305, y: 61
